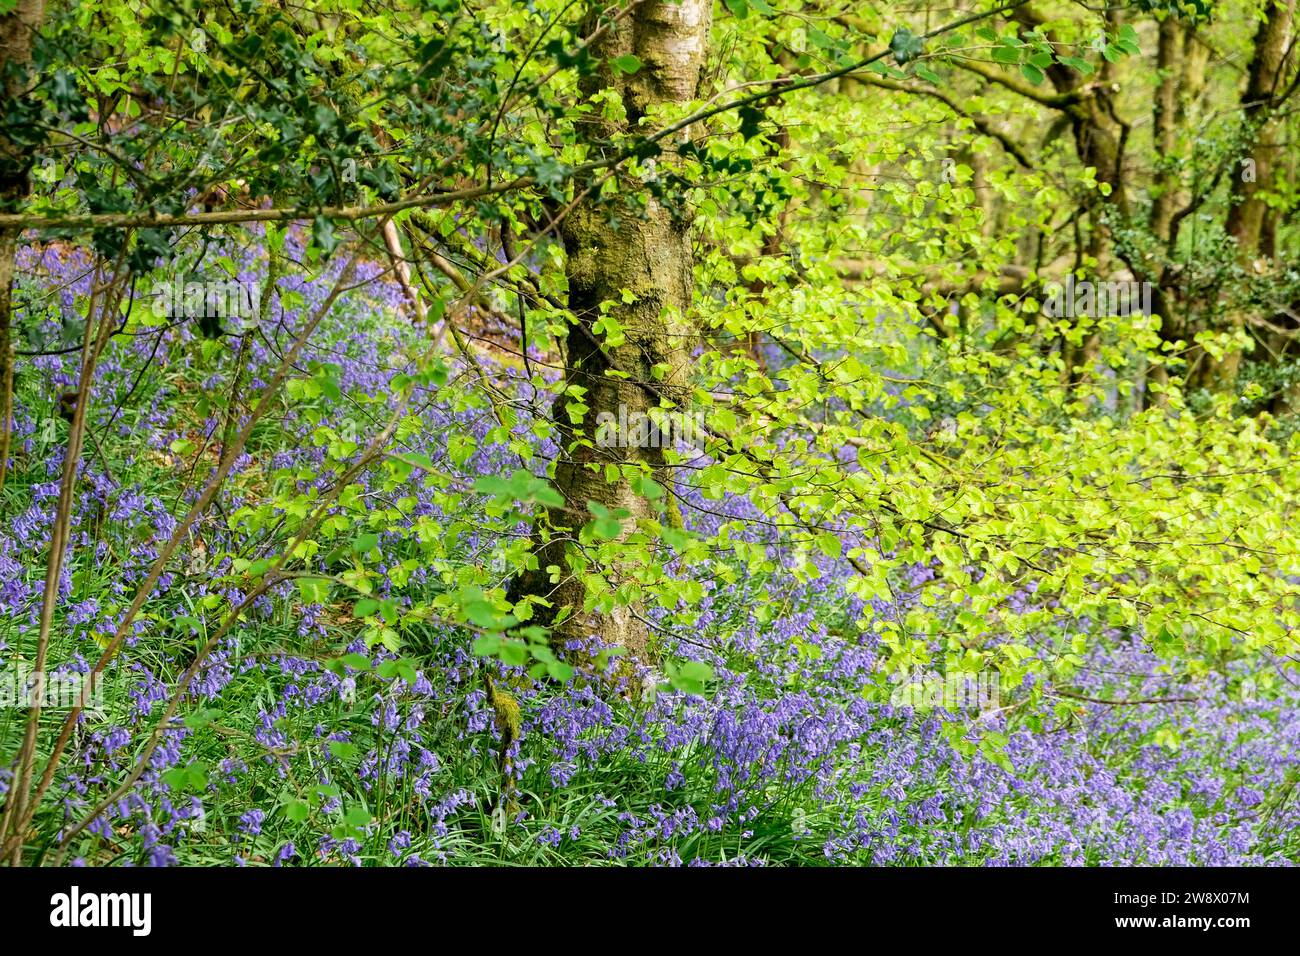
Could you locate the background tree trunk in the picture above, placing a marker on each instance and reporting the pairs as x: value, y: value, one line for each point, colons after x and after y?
x: 16, y: 30
x: 1248, y: 215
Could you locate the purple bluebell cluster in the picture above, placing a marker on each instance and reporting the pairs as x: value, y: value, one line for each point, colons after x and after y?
x: 793, y: 755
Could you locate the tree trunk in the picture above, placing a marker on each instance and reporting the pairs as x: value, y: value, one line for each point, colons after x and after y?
x: 1165, y: 128
x: 1248, y: 214
x: 16, y: 30
x: 613, y: 249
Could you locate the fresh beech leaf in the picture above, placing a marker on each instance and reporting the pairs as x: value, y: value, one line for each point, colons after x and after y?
x: 357, y: 817
x: 487, y: 645
x: 1032, y: 73
x: 514, y: 653
x: 313, y: 590
x: 830, y: 544
x: 356, y: 661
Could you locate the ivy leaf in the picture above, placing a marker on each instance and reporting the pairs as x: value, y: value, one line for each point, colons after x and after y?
x: 324, y: 236
x: 905, y: 45
x: 750, y: 118
x: 67, y: 98
x: 628, y: 63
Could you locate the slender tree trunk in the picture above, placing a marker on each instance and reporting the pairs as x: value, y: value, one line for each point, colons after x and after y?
x: 616, y: 252
x: 16, y: 30
x: 1165, y: 127
x: 1191, y: 58
x: 1246, y: 217
x: 1174, y: 58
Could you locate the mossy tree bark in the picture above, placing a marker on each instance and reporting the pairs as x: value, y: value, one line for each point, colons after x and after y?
x: 637, y: 250
x: 1248, y: 221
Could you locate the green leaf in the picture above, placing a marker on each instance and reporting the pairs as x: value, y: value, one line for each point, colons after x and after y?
x: 313, y: 590
x: 647, y: 487
x: 1077, y: 64
x: 482, y: 614
x: 201, y: 718
x: 176, y: 778
x: 514, y: 653
x: 487, y: 645
x: 905, y: 45
x: 356, y: 661
x: 830, y: 544
x: 690, y: 677
x: 357, y: 817
x: 751, y: 119
x: 628, y: 63
x: 925, y: 73
x: 324, y: 236
x: 342, y: 749
x: 559, y: 671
